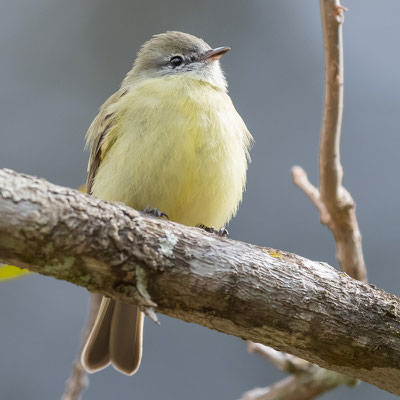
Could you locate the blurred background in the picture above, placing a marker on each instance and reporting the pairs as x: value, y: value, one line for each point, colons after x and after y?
x: 61, y: 59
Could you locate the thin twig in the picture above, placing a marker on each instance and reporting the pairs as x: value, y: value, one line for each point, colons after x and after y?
x: 300, y: 179
x: 333, y: 201
x: 337, y: 211
x: 79, y: 380
x: 336, y: 198
x: 330, y: 169
x: 307, y: 381
x: 301, y: 386
x: 283, y: 361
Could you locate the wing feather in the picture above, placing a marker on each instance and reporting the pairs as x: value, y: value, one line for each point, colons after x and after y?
x: 97, y: 136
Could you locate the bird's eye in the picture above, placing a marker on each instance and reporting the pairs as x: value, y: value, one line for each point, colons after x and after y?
x: 176, y: 61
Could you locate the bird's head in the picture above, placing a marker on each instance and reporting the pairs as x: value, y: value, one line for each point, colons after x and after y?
x: 175, y: 53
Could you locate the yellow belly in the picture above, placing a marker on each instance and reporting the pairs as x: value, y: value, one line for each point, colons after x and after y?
x: 180, y: 147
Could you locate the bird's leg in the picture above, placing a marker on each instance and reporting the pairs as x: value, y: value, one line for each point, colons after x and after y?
x: 155, y: 212
x: 220, y: 232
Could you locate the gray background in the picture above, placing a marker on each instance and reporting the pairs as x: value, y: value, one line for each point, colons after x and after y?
x: 60, y: 59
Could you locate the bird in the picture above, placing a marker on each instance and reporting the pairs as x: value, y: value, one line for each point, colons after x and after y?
x: 169, y: 139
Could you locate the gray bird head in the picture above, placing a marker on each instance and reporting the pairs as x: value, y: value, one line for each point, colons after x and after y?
x: 173, y: 53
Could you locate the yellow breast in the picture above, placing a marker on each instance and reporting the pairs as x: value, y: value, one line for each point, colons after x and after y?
x: 180, y: 146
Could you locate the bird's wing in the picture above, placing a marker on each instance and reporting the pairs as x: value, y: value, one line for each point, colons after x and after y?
x: 98, y: 137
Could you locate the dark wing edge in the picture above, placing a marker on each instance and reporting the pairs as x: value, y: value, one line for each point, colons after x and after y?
x: 97, y: 134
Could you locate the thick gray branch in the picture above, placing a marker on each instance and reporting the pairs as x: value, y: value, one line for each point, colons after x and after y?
x: 268, y: 296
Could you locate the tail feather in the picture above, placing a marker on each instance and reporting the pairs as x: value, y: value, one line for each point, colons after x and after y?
x: 96, y: 353
x: 126, y: 338
x: 116, y: 338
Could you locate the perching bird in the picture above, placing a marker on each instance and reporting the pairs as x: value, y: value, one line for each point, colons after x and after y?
x: 169, y: 138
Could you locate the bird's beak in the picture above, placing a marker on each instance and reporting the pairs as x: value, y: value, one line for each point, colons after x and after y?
x: 215, y: 54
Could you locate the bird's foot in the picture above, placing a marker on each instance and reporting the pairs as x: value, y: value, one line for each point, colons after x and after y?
x: 155, y: 212
x: 220, y: 232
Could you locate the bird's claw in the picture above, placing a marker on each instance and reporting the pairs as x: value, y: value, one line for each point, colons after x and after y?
x: 222, y: 232
x: 155, y: 212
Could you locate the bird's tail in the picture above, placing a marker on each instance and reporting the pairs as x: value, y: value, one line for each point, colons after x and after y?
x: 116, y: 338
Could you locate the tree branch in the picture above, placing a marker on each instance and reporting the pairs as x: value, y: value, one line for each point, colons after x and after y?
x: 307, y: 381
x: 301, y: 386
x: 283, y: 361
x: 331, y: 171
x: 335, y: 205
x: 333, y: 201
x: 267, y: 296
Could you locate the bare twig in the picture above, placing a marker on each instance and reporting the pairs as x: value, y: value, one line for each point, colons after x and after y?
x: 336, y: 208
x: 336, y: 198
x: 308, y: 380
x: 300, y: 179
x: 79, y: 380
x: 283, y: 361
x: 333, y: 201
x: 301, y: 386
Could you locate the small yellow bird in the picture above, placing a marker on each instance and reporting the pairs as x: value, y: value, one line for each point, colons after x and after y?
x: 169, y: 138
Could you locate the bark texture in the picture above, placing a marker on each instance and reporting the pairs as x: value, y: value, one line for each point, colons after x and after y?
x: 268, y: 296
